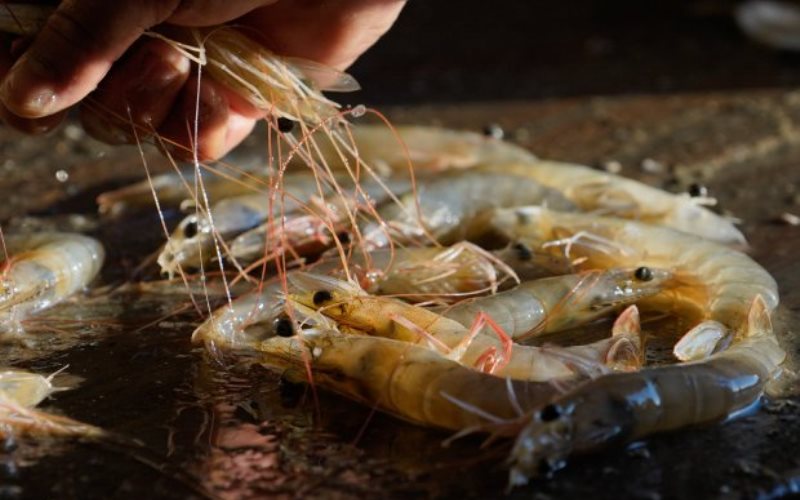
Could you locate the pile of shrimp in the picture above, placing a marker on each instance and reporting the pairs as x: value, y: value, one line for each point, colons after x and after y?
x: 435, y: 274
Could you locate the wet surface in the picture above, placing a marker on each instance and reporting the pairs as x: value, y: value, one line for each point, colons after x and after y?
x: 189, y: 428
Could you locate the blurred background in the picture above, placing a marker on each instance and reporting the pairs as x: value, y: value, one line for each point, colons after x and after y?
x: 474, y: 50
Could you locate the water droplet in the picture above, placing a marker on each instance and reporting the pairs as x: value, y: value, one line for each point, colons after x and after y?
x: 62, y: 176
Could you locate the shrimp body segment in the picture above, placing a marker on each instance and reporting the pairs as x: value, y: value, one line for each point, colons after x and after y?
x: 45, y: 268
x: 451, y: 207
x: 560, y: 302
x: 428, y: 149
x: 604, y: 193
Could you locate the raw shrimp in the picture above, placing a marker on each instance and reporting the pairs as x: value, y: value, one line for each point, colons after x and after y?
x: 561, y: 302
x: 406, y: 380
x: 177, y: 188
x: 44, y: 268
x: 451, y: 207
x: 193, y: 241
x: 604, y: 193
x: 20, y: 392
x: 716, y: 283
x: 622, y: 407
x: 428, y: 149
x: 352, y: 309
x: 430, y: 273
x: 231, y: 324
x: 301, y: 230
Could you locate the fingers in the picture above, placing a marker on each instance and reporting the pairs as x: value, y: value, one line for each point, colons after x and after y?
x: 141, y: 89
x: 211, y: 12
x: 74, y: 51
x: 222, y: 121
x: 331, y: 33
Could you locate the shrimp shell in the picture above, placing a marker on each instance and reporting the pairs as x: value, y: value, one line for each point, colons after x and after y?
x: 561, y: 302
x: 405, y: 380
x: 604, y: 193
x: 451, y: 207
x: 45, y: 268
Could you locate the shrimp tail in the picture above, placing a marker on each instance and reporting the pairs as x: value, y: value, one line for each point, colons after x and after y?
x: 758, y: 318
x: 701, y: 341
x: 627, y: 351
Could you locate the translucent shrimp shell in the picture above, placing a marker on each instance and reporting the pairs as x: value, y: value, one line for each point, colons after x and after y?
x: 717, y: 281
x: 607, y: 194
x: 45, y: 268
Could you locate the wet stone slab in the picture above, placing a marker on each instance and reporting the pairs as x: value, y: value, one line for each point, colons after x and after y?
x: 196, y: 429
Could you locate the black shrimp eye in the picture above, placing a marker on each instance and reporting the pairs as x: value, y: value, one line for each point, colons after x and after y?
x: 523, y: 252
x: 344, y: 237
x: 696, y: 190
x: 284, y: 327
x: 549, y: 413
x: 285, y: 125
x: 493, y: 130
x: 190, y: 229
x: 643, y: 274
x: 321, y: 297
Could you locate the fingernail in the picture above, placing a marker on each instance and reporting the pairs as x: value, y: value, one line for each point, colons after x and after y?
x: 21, y: 96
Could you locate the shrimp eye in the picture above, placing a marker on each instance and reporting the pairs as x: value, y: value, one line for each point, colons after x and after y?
x: 643, y: 274
x: 285, y: 125
x: 549, y: 413
x: 493, y: 130
x: 344, y: 237
x: 190, y: 229
x: 696, y: 190
x: 321, y: 297
x: 284, y: 327
x: 523, y: 252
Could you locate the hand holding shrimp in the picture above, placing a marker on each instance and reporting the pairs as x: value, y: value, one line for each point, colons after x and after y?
x: 54, y: 74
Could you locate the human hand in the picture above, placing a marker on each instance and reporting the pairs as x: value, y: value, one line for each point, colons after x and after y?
x: 94, y: 48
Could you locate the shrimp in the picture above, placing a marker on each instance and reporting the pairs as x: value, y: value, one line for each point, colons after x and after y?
x: 192, y: 243
x: 313, y: 230
x: 451, y: 207
x: 175, y: 188
x: 431, y: 273
x: 406, y: 380
x: 715, y: 282
x: 604, y: 193
x: 561, y: 302
x: 622, y: 407
x: 428, y: 149
x: 41, y: 269
x: 356, y: 312
x: 250, y: 315
x: 20, y: 392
